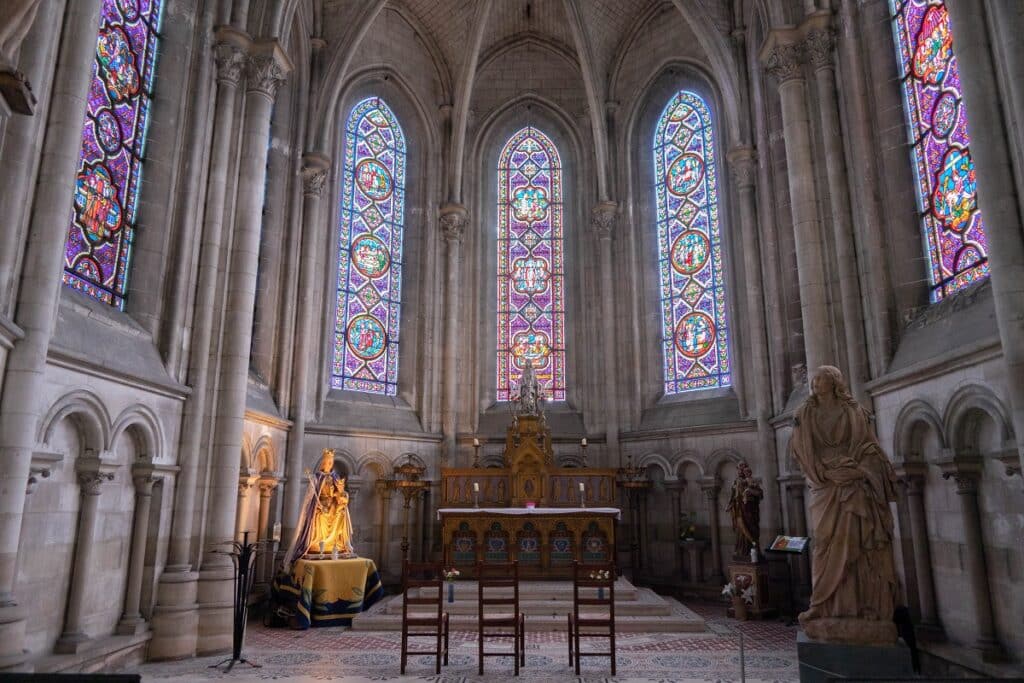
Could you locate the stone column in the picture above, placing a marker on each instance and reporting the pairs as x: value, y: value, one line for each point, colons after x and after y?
x: 602, y: 222
x: 315, y: 171
x: 912, y: 476
x: 819, y: 45
x: 131, y: 621
x: 21, y: 405
x: 743, y: 168
x: 266, y: 69
x: 175, y: 616
x: 996, y: 196
x: 265, y: 559
x: 711, y: 489
x: 453, y: 220
x: 967, y: 475
x: 675, y: 490
x: 90, y: 479
x: 245, y: 485
x: 795, y: 486
x: 384, y: 533
x: 784, y: 61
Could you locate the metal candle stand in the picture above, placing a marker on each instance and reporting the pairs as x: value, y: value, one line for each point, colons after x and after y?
x: 244, y: 556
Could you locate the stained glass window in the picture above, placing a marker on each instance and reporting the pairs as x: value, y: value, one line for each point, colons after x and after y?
x: 694, y: 331
x: 531, y: 299
x: 370, y: 251
x: 937, y: 122
x: 97, y: 252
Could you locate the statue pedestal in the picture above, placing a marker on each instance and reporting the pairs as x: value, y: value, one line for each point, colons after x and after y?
x: 745, y: 574
x: 821, y: 662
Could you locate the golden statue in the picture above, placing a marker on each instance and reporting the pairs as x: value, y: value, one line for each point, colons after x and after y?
x: 324, y: 525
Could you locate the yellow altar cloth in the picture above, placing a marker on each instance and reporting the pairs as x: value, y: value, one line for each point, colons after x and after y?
x: 332, y: 592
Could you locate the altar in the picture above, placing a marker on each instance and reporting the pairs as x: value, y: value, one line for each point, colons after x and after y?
x: 545, y: 541
x: 328, y: 592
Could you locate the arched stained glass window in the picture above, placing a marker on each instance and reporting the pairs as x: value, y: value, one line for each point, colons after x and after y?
x: 370, y: 251
x: 694, y: 332
x: 97, y: 252
x: 937, y: 123
x: 531, y: 300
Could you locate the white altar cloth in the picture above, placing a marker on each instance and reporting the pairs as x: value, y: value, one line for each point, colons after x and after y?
x: 531, y: 511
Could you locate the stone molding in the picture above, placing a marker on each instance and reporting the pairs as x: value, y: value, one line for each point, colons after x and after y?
x: 143, y: 479
x: 315, y: 167
x: 743, y: 166
x: 230, y: 60
x: 453, y: 219
x: 267, y: 486
x: 264, y: 74
x: 819, y: 47
x: 602, y: 219
x: 34, y: 475
x: 965, y: 471
x: 785, y: 62
x: 91, y: 481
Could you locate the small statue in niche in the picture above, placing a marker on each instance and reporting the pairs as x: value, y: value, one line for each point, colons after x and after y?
x: 529, y: 392
x: 852, y: 482
x: 745, y: 508
x: 324, y: 524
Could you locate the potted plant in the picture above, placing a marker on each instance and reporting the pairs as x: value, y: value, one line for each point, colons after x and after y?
x: 449, y: 579
x: 741, y: 597
x: 600, y: 575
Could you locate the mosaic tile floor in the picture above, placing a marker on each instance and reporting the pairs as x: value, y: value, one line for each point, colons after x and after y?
x: 343, y: 655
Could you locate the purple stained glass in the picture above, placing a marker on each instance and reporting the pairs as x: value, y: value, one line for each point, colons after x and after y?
x: 531, y: 302
x: 370, y: 251
x: 694, y: 329
x: 947, y: 191
x: 97, y: 253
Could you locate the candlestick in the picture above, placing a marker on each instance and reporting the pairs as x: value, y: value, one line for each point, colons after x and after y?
x: 476, y: 487
x: 583, y: 442
x: 583, y: 496
x: 476, y: 443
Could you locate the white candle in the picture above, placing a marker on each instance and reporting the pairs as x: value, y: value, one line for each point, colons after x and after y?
x: 581, y: 487
x: 476, y: 487
x: 476, y: 443
x: 583, y: 442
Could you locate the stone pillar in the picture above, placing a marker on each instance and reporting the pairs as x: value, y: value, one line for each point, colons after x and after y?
x: 90, y: 479
x: 384, y: 532
x: 912, y: 475
x: 266, y: 69
x: 175, y: 617
x: 315, y: 171
x: 602, y: 222
x: 967, y: 474
x: 265, y: 558
x: 784, y: 61
x: 743, y: 168
x: 711, y: 488
x: 245, y: 485
x: 645, y: 533
x: 819, y: 46
x: 453, y: 220
x: 21, y: 406
x: 131, y: 621
x: 996, y: 196
x: 795, y: 486
x: 675, y: 490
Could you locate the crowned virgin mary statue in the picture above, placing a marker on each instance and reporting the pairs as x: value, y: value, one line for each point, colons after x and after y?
x: 324, y: 524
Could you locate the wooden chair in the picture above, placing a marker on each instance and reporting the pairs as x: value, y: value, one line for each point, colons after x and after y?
x: 598, y: 584
x: 495, y: 580
x: 423, y: 584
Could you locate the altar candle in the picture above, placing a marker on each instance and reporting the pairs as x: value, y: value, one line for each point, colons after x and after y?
x: 476, y: 443
x: 583, y: 442
x: 476, y: 487
x: 581, y: 487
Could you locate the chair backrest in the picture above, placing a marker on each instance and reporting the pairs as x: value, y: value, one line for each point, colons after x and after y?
x: 600, y: 578
x: 495, y: 576
x: 417, y: 576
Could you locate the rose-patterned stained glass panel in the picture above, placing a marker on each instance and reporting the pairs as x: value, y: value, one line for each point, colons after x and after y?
x: 370, y: 233
x: 97, y: 252
x: 947, y: 193
x: 694, y: 327
x: 531, y: 299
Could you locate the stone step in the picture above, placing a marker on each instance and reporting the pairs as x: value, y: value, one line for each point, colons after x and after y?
x: 641, y: 603
x: 537, y: 590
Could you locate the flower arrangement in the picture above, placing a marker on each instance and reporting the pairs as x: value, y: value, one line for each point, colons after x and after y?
x: 747, y: 594
x: 451, y: 574
x: 602, y: 574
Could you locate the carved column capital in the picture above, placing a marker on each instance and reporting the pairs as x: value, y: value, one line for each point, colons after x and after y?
x: 267, y: 486
x: 911, y: 475
x: 266, y: 69
x: 819, y: 47
x: 966, y: 482
x: 602, y: 219
x: 34, y: 475
x: 230, y: 59
x: 245, y: 483
x: 315, y: 167
x: 143, y: 479
x: 92, y: 480
x: 711, y: 489
x: 743, y: 166
x: 453, y: 219
x: 785, y: 62
x: 965, y: 470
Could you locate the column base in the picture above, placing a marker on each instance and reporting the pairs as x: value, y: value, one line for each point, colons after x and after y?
x: 131, y: 626
x: 216, y: 610
x: 72, y: 643
x: 175, y: 620
x: 12, y: 637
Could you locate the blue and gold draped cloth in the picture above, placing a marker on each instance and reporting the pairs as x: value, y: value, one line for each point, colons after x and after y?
x: 329, y: 592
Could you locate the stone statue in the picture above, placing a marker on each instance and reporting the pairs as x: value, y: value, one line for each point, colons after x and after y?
x: 852, y: 482
x: 324, y: 525
x: 745, y: 507
x: 529, y: 392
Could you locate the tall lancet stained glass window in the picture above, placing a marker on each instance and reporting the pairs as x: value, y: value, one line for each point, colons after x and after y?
x: 954, y: 233
x: 694, y: 330
x: 531, y: 299
x: 370, y: 251
x: 97, y: 252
